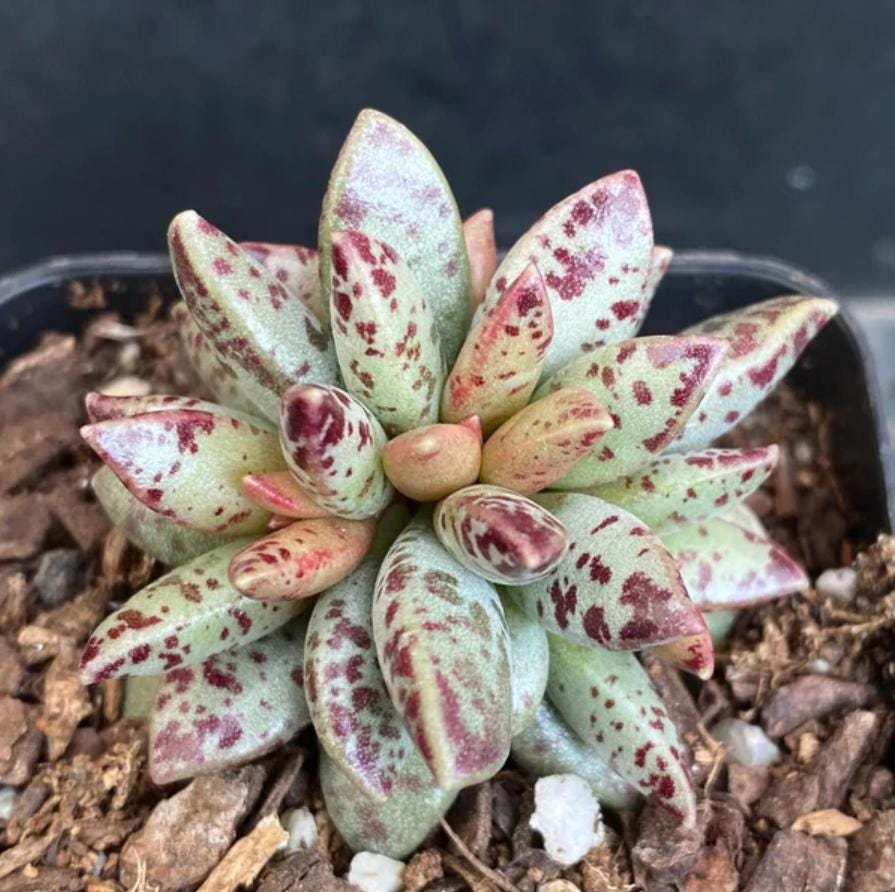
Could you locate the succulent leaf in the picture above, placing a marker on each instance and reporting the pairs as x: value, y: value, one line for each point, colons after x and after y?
x: 743, y: 516
x: 386, y: 184
x: 660, y: 259
x: 500, y: 535
x: 165, y: 540
x: 179, y: 620
x: 102, y: 407
x: 431, y: 462
x: 262, y: 333
x: 764, y: 341
x: 385, y: 335
x: 720, y: 624
x: 187, y: 465
x: 139, y: 695
x: 444, y: 650
x: 279, y: 492
x: 503, y: 355
x: 333, y: 445
x: 544, y: 441
x: 594, y: 251
x: 650, y: 386
x: 608, y: 700
x: 529, y: 660
x: 547, y: 746
x: 235, y: 706
x: 301, y: 559
x: 725, y: 566
x: 481, y: 249
x: 676, y: 490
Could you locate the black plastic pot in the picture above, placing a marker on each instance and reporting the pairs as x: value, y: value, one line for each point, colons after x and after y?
x: 834, y: 371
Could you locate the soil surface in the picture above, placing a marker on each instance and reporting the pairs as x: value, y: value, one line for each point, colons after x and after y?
x: 78, y: 811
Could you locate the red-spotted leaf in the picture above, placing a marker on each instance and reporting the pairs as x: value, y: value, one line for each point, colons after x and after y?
x: 280, y: 493
x: 692, y: 653
x: 102, y: 407
x: 499, y: 534
x: 481, y: 249
x: 544, y: 441
x: 529, y: 662
x: 676, y: 490
x: 188, y: 464
x: 179, y: 620
x: 395, y: 826
x: 594, y: 251
x: 264, y: 335
x: 385, y: 333
x: 650, y: 386
x: 386, y: 184
x: 660, y: 259
x: 333, y: 445
x: 444, y: 650
x: 764, y: 341
x: 296, y: 268
x: 608, y: 700
x: 165, y: 540
x: 503, y: 355
x: 743, y: 516
x: 548, y: 746
x: 301, y: 559
x: 230, y: 709
x: 725, y: 566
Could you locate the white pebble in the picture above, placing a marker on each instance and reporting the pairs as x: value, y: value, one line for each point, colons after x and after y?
x: 820, y: 666
x: 747, y: 744
x: 376, y: 873
x: 299, y: 823
x: 568, y: 817
x: 838, y: 584
x: 127, y: 385
x: 8, y: 798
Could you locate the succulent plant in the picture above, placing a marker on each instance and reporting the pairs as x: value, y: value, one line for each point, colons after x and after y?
x: 439, y: 503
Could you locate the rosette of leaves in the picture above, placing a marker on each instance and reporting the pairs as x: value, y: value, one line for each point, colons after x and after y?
x: 435, y: 505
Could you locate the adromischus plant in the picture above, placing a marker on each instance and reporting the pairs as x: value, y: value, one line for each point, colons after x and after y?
x: 439, y: 503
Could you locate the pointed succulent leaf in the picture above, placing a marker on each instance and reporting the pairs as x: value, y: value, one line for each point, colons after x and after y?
x: 481, y: 249
x: 165, y: 540
x: 502, y: 357
x: 444, y: 650
x: 660, y: 259
x: 139, y: 695
x: 502, y: 536
x: 720, y: 624
x: 544, y: 441
x: 280, y: 493
x: 548, y: 746
x: 102, y: 407
x: 301, y: 559
x: 333, y: 445
x: 385, y: 333
x: 394, y: 826
x: 743, y: 516
x: 650, y: 386
x: 608, y: 700
x: 187, y: 465
x: 764, y: 341
x: 529, y: 661
x: 296, y: 268
x: 179, y: 620
x: 593, y: 249
x: 386, y: 184
x: 725, y: 566
x: 676, y: 490
x: 431, y: 462
x: 264, y: 335
x: 691, y: 653
x: 235, y: 706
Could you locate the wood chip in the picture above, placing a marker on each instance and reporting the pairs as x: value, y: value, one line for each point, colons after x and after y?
x: 66, y: 702
x: 812, y: 697
x: 795, y: 861
x: 247, y: 857
x: 827, y: 822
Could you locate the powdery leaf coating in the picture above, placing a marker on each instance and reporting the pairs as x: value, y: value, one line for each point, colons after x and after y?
x: 165, y: 540
x: 594, y: 251
x: 296, y: 268
x: 607, y: 699
x: 725, y: 566
x: 431, y: 462
x: 280, y: 493
x: 529, y: 661
x: 395, y: 826
x: 650, y: 386
x: 333, y: 445
x: 503, y: 355
x: 102, y: 407
x: 386, y: 184
x: 763, y: 343
x: 262, y: 333
x: 301, y: 559
x: 385, y: 333
x: 500, y: 535
x: 235, y: 706
x: 548, y: 746
x: 677, y: 490
x: 481, y: 249
x: 544, y: 441
x: 187, y: 465
x: 180, y: 620
x: 444, y: 649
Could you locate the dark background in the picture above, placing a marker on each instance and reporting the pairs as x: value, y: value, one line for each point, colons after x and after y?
x: 762, y: 126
